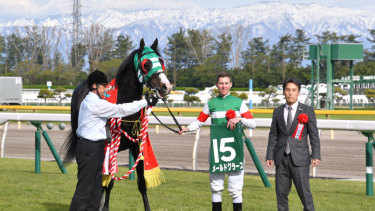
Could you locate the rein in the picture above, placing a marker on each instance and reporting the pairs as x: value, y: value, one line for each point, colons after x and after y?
x: 174, y: 119
x: 166, y: 105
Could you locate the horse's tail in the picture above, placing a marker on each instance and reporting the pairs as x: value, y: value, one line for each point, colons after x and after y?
x: 69, y: 146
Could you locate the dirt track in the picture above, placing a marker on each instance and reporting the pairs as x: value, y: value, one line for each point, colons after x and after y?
x: 343, y: 157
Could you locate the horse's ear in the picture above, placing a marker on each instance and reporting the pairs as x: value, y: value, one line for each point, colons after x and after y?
x: 141, y: 46
x: 154, y: 45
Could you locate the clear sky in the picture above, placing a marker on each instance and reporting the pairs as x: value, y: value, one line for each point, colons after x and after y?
x: 13, y: 9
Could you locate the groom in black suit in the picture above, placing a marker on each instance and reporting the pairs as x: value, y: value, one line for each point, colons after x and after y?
x: 288, y: 148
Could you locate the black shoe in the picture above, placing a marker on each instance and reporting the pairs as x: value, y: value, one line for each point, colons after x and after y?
x: 216, y: 206
x: 237, y: 206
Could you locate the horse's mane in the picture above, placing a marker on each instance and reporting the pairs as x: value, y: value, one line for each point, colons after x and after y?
x: 126, y: 81
x: 126, y: 66
x: 69, y: 146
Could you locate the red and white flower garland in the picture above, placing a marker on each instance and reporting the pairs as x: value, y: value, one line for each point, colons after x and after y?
x: 116, y: 131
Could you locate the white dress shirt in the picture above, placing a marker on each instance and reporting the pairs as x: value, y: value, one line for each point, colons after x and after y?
x: 94, y: 112
x: 294, y: 109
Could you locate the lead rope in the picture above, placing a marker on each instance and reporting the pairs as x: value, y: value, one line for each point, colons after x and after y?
x: 116, y: 131
x: 174, y: 119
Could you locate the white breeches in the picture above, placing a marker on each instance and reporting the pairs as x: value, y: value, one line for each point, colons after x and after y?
x: 235, y: 184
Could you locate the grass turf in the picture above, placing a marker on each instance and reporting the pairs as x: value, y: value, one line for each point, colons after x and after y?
x: 22, y: 189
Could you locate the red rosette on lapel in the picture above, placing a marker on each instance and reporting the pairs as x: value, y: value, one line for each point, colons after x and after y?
x: 302, y: 120
x: 230, y: 114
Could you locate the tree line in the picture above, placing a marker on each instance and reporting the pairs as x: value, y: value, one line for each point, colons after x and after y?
x: 40, y: 54
x: 193, y: 57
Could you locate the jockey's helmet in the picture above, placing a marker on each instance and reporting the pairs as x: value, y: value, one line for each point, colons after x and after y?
x: 96, y: 77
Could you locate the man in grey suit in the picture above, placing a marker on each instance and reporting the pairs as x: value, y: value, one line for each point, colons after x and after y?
x: 288, y: 147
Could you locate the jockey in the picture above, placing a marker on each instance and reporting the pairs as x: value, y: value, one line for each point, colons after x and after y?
x: 92, y: 119
x: 217, y: 107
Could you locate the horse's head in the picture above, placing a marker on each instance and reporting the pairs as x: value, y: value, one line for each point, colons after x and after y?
x: 150, y: 69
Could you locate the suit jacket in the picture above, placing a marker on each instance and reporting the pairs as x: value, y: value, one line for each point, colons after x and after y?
x: 299, y: 149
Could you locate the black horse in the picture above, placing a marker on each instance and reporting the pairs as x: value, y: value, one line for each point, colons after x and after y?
x: 130, y: 79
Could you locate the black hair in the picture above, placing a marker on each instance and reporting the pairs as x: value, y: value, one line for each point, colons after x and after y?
x: 294, y: 81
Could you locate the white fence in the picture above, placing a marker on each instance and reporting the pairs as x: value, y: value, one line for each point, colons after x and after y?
x: 353, y: 125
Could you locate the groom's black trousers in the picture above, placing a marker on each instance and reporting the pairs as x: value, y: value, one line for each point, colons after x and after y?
x: 90, y: 158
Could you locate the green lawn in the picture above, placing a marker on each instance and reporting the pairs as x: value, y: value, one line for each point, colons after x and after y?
x: 183, y: 190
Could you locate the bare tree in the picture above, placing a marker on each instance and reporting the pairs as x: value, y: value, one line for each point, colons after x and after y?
x: 239, y: 37
x: 98, y: 41
x: 67, y: 41
x: 207, y: 44
x: 50, y: 40
x: 201, y: 43
x: 17, y: 32
x: 29, y: 47
x: 32, y: 43
x: 73, y: 49
x: 40, y: 45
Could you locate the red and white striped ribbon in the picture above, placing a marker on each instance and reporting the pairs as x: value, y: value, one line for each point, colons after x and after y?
x: 116, y: 131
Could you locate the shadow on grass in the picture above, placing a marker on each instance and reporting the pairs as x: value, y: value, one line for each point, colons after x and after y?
x: 50, y: 206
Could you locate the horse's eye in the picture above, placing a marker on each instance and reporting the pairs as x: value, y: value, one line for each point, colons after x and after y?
x: 146, y: 65
x: 162, y: 63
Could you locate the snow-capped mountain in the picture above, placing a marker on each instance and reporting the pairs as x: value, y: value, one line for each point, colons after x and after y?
x: 269, y: 20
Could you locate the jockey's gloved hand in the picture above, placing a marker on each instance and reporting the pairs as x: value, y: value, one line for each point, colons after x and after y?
x: 151, y: 100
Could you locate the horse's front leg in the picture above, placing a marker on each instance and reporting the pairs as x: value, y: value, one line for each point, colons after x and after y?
x: 104, y: 204
x: 141, y: 180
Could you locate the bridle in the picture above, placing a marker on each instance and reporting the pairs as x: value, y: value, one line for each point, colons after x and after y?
x: 149, y: 67
x: 145, y: 71
x: 166, y: 105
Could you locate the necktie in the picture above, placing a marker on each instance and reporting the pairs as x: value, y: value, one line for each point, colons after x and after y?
x: 288, y: 125
x: 289, y: 119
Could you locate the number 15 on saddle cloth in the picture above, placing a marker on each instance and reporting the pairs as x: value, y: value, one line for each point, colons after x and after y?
x: 226, y: 150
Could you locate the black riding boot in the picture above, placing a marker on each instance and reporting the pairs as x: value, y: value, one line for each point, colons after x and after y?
x: 237, y: 206
x: 216, y: 206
